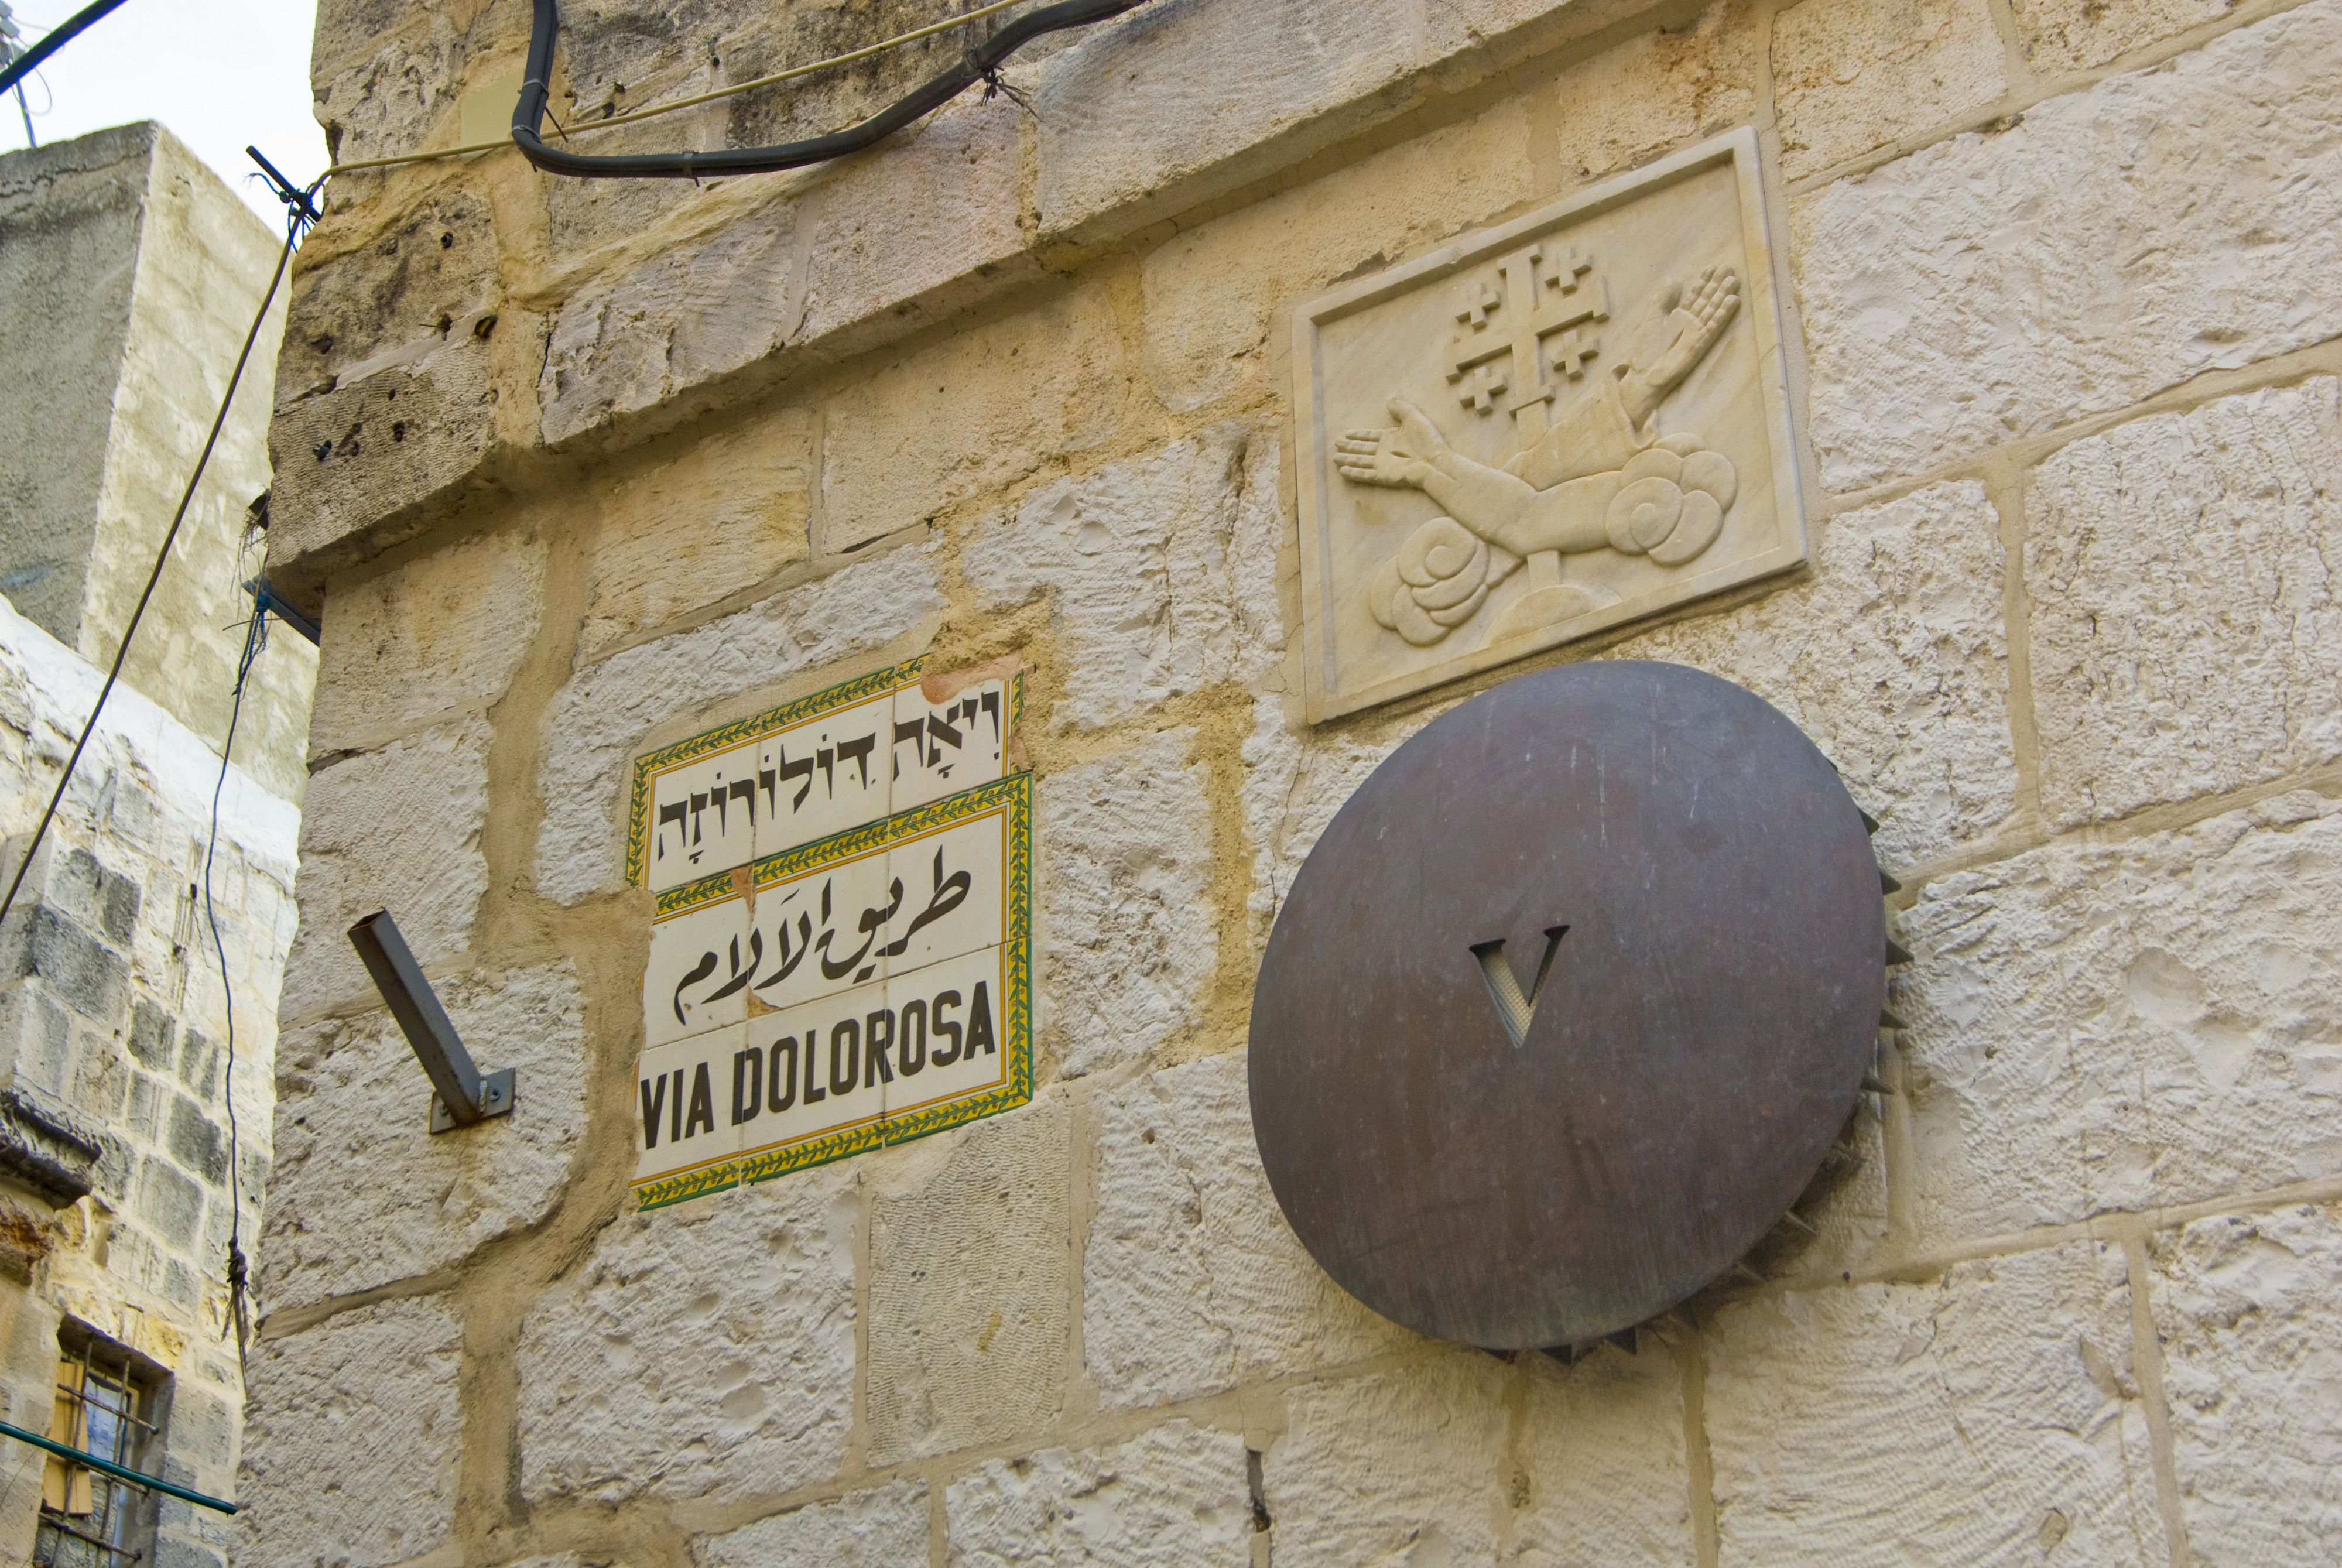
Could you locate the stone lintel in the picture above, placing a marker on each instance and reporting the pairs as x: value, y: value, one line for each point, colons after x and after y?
x: 1119, y: 164
x: 44, y: 1146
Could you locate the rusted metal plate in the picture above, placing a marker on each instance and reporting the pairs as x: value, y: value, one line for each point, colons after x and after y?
x: 1704, y: 1020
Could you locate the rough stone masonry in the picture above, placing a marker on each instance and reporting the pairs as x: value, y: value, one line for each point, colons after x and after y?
x: 575, y: 470
x: 141, y: 958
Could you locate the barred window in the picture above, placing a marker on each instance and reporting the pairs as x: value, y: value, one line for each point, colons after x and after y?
x: 108, y: 1405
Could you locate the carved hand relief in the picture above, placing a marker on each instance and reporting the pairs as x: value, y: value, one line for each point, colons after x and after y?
x: 1544, y: 431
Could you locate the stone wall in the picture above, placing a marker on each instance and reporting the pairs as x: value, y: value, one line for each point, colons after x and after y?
x: 75, y: 221
x: 129, y: 1134
x: 2067, y: 356
x: 135, y: 272
x: 135, y: 1123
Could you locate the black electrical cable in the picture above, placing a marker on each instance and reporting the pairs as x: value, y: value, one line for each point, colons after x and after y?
x: 292, y: 233
x: 59, y: 36
x: 979, y: 63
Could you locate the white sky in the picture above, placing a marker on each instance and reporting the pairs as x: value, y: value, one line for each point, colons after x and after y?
x: 221, y: 73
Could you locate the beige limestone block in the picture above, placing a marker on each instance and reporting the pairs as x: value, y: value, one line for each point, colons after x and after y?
x: 375, y: 443
x: 584, y: 216
x: 2186, y: 621
x: 381, y: 102
x: 1296, y: 776
x: 704, y: 1351
x: 1169, y: 1498
x: 1851, y: 76
x: 433, y: 266
x: 1454, y: 27
x: 1401, y: 1466
x: 883, y: 1528
x: 2246, y: 1308
x: 1602, y: 1475
x: 1846, y: 1203
x: 441, y: 634
x: 1656, y: 91
x: 678, y: 319
x: 352, y: 1435
x: 2120, y: 1025
x: 920, y: 214
x: 1191, y: 1279
x: 362, y: 1194
x: 614, y: 43
x: 834, y: 249
x: 627, y: 54
x: 2117, y: 242
x: 351, y: 31
x: 1161, y: 572
x: 1151, y: 101
x: 595, y: 722
x: 396, y: 829
x: 1990, y: 1415
x: 1892, y: 658
x: 1213, y: 291
x: 616, y: 46
x: 2076, y: 35
x: 29, y: 1325
x: 975, y: 413
x: 723, y: 515
x: 970, y: 1263
x: 1129, y: 936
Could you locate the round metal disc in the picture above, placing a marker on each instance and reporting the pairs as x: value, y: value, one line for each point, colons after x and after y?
x: 1702, y: 1030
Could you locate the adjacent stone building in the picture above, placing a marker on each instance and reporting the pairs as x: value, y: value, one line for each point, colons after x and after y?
x: 578, y: 471
x: 134, y: 1125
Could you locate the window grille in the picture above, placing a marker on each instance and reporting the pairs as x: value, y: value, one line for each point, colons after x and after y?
x: 105, y: 1406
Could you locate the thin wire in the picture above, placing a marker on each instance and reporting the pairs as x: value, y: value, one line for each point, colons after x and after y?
x: 791, y: 74
x: 48, y: 813
x: 255, y: 638
x: 298, y: 209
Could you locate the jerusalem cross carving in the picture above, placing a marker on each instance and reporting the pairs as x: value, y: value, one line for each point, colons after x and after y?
x: 1493, y: 363
x: 1544, y: 431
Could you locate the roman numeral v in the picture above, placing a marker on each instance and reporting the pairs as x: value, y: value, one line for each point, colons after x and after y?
x: 1505, y: 987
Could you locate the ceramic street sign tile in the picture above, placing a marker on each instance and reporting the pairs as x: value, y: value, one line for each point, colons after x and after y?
x: 950, y: 875
x: 941, y: 748
x: 807, y: 924
x: 821, y: 996
x: 955, y: 1019
x: 688, y: 985
x: 680, y: 1088
x: 704, y: 818
x: 815, y: 768
x: 1543, y: 430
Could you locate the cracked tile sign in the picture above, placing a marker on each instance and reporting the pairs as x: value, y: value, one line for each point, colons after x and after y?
x: 841, y: 951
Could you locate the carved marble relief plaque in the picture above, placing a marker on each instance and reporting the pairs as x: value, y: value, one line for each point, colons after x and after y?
x: 1543, y: 430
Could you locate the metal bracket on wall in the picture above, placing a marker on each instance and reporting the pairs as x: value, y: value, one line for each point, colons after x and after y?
x: 266, y: 601
x: 496, y: 1100
x: 465, y: 1095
